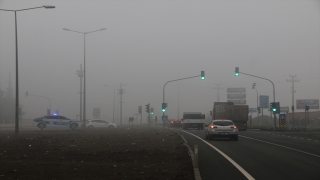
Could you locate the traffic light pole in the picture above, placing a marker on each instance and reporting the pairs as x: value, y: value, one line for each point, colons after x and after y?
x: 173, y: 81
x: 43, y: 97
x: 274, y: 94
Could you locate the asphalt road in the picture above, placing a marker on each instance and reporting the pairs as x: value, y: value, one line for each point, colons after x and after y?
x: 258, y: 155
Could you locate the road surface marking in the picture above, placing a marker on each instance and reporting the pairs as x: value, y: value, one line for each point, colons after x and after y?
x: 244, y: 172
x: 281, y: 146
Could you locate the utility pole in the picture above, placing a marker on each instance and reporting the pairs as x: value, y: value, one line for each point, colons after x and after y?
x: 292, y: 91
x: 80, y: 74
x: 218, y: 88
x: 254, y: 87
x: 121, y: 91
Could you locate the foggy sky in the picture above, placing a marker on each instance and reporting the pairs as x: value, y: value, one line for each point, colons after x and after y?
x: 148, y: 43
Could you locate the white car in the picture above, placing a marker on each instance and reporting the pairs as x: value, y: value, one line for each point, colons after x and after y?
x: 221, y: 129
x: 55, y: 121
x: 98, y: 123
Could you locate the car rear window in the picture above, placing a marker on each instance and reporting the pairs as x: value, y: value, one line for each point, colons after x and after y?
x: 223, y: 123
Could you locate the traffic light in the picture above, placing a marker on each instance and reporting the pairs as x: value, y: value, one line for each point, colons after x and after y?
x: 148, y: 108
x: 236, y: 72
x: 151, y: 111
x: 307, y: 107
x: 139, y: 109
x: 259, y: 110
x: 202, y: 75
x: 26, y: 93
x: 164, y: 105
x: 273, y: 107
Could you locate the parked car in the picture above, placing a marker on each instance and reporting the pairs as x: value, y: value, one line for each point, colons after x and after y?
x: 55, y: 121
x: 98, y: 123
x: 221, y: 129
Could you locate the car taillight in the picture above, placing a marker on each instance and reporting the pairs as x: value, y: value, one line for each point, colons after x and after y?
x: 211, y: 127
x: 181, y: 122
x: 245, y: 124
x: 171, y: 122
x: 233, y: 127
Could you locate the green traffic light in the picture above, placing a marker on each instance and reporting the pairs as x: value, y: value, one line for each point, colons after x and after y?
x: 236, y: 72
x: 163, y: 110
x: 202, y: 75
x: 274, y: 109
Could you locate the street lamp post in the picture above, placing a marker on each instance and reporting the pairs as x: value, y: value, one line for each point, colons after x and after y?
x: 84, y: 69
x: 17, y: 69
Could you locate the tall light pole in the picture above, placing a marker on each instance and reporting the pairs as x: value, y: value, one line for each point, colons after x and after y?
x: 80, y: 74
x: 17, y: 69
x: 114, y: 101
x: 84, y: 69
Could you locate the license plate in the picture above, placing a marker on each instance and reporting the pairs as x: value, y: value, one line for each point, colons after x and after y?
x: 223, y: 133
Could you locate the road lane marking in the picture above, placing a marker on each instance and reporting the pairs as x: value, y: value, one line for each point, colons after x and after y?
x: 281, y: 146
x: 244, y: 172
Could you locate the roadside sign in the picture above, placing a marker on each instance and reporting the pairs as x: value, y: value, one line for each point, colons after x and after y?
x: 164, y: 118
x: 253, y: 110
x: 284, y: 109
x: 96, y: 113
x: 282, y: 118
x: 264, y: 101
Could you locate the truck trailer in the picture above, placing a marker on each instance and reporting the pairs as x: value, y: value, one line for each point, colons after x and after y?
x: 237, y: 113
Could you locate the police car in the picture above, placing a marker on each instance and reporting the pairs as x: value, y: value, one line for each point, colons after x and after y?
x: 55, y: 121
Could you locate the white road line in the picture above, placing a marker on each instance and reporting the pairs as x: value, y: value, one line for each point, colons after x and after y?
x: 281, y: 146
x: 244, y: 172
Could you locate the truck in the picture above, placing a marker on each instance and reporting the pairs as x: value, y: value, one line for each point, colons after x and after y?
x: 237, y: 113
x: 193, y: 120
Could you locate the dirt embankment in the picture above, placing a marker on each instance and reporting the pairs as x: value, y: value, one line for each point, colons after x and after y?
x: 136, y: 153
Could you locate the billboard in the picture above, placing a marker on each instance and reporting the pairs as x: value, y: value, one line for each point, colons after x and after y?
x: 236, y: 95
x: 236, y: 90
x: 237, y: 101
x: 312, y: 103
